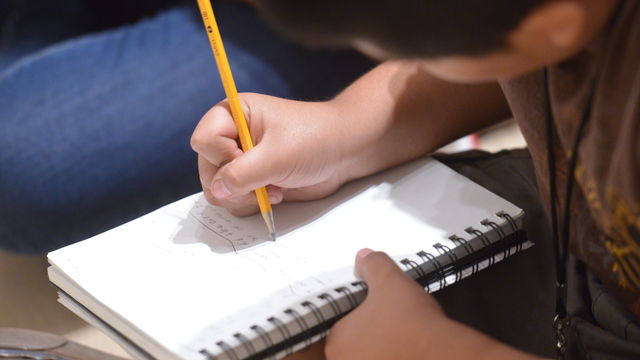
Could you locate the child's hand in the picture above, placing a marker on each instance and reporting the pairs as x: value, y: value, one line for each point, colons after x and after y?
x: 393, y: 322
x: 399, y: 320
x: 298, y: 152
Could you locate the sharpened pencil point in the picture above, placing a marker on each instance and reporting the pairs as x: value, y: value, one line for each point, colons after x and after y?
x: 271, y: 225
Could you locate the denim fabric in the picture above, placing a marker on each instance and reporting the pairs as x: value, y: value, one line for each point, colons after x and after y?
x: 95, y: 128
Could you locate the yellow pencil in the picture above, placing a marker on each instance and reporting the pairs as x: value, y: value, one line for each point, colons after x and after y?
x: 234, y: 103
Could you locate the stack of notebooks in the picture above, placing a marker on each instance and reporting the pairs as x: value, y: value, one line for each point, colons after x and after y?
x: 190, y: 281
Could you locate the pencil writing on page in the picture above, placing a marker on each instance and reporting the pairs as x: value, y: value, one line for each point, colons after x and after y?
x: 229, y: 85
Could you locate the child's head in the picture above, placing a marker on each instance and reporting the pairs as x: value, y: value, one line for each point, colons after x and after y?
x: 465, y: 40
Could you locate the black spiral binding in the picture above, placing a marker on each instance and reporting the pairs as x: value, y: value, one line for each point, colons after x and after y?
x: 443, y: 249
x: 352, y: 300
x: 498, y: 229
x: 430, y: 259
x: 248, y: 346
x: 228, y: 349
x: 474, y: 256
x: 332, y: 302
x: 284, y: 331
x: 301, y: 323
x: 514, y: 226
x: 207, y: 355
x: 361, y: 284
x: 412, y: 265
x: 467, y: 247
x: 320, y: 319
x: 431, y: 270
x: 266, y: 338
x: 483, y: 238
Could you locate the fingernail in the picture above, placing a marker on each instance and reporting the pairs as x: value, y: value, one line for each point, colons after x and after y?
x: 219, y: 190
x: 275, y: 195
x: 363, y: 253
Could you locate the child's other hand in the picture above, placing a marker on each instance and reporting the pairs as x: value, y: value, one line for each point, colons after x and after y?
x: 394, y: 321
x: 399, y: 320
x: 297, y: 152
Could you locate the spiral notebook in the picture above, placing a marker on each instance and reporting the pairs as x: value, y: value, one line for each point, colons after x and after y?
x: 190, y: 281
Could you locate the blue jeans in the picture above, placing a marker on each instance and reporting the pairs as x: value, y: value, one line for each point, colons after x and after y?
x: 95, y: 127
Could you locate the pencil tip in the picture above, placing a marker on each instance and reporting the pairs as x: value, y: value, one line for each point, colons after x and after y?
x: 268, y: 218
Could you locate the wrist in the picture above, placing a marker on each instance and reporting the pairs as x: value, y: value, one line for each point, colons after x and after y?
x: 356, y: 133
x: 347, y: 140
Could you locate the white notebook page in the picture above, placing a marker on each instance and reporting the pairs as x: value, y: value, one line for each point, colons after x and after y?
x: 189, y: 272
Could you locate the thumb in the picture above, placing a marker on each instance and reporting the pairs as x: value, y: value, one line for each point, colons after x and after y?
x: 379, y: 271
x: 247, y: 172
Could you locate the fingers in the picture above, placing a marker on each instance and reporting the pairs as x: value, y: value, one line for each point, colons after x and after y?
x: 241, y: 205
x: 229, y: 175
x: 215, y: 136
x: 380, y: 272
x: 214, y: 139
x: 388, y: 283
x: 254, y: 169
x: 247, y: 204
x: 206, y: 172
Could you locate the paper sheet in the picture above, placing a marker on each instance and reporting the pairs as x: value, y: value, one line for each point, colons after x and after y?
x: 189, y: 272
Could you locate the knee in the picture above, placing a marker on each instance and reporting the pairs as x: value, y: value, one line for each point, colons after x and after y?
x: 32, y: 206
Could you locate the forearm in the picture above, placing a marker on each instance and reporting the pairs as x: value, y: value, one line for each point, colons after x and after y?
x: 469, y: 343
x: 398, y: 111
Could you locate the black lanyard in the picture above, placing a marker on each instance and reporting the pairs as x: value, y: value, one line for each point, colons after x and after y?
x: 561, y: 241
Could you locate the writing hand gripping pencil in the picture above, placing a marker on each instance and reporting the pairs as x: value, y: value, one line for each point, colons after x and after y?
x: 294, y: 154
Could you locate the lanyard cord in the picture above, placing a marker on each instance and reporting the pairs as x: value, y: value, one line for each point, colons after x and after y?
x: 561, y: 243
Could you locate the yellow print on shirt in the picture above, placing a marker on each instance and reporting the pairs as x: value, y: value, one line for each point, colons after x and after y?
x: 623, y: 237
x: 589, y: 189
x: 622, y: 229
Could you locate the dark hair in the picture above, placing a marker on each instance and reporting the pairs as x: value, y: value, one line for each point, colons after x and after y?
x: 406, y: 28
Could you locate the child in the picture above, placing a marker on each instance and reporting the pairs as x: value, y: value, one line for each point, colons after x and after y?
x: 568, y: 71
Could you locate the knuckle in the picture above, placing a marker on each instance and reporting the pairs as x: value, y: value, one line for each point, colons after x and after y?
x: 205, y: 181
x: 233, y: 181
x: 243, y: 211
x: 198, y: 140
x: 225, y: 149
x: 245, y: 103
x: 242, y: 205
x: 218, y: 110
x: 208, y: 125
x: 379, y: 268
x: 210, y: 199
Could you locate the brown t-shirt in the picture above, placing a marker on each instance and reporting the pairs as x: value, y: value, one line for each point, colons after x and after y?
x: 605, y: 210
